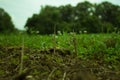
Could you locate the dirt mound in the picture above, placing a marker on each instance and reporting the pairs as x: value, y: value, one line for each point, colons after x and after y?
x: 50, y: 64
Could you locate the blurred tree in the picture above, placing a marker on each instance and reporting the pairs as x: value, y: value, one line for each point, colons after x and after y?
x: 85, y: 19
x: 93, y: 18
x: 45, y: 21
x: 83, y: 10
x: 67, y: 14
x: 67, y: 18
x: 6, y: 24
x: 108, y: 13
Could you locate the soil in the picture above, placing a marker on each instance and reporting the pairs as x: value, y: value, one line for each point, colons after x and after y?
x: 51, y: 64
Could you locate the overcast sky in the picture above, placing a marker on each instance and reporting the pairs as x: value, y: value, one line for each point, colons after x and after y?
x: 20, y: 10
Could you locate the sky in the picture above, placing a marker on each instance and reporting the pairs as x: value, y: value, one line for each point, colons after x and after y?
x: 21, y: 10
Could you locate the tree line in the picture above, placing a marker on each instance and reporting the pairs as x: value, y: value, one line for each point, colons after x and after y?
x: 85, y: 16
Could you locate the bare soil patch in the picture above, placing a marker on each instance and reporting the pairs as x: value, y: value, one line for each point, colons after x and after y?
x: 48, y: 64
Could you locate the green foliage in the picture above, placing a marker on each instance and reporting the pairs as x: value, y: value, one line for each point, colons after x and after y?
x: 101, y: 51
x: 6, y: 25
x: 96, y: 46
x: 106, y: 11
x: 2, y: 72
x: 85, y: 16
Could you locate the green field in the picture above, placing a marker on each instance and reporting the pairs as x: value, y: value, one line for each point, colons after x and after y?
x: 57, y: 57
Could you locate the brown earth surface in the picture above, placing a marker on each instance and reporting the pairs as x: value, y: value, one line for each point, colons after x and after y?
x: 50, y: 64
